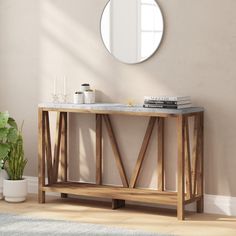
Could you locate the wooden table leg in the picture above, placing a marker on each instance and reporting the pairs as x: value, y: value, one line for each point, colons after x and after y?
x: 48, y: 147
x: 64, y: 151
x: 116, y: 203
x: 116, y: 151
x: 160, y: 154
x: 200, y: 187
x: 57, y: 146
x: 98, y: 149
x: 41, y: 155
x: 180, y: 203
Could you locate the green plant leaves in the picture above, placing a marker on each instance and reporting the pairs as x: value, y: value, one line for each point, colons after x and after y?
x: 12, y: 135
x: 3, y: 134
x: 16, y: 162
x: 12, y: 123
x: 4, y: 116
x: 11, y: 147
x: 4, y: 150
x: 8, y: 129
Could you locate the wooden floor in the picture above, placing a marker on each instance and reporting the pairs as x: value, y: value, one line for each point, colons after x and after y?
x: 132, y: 217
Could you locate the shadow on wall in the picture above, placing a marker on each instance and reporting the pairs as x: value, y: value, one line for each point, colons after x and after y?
x: 72, y: 45
x: 20, y: 70
x: 82, y: 156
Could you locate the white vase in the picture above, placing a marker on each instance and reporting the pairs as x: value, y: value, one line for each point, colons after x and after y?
x: 15, y: 190
x: 3, y: 175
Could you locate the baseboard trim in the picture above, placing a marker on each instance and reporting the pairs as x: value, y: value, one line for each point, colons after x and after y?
x: 214, y: 204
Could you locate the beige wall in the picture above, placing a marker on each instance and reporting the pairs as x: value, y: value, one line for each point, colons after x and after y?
x: 42, y: 39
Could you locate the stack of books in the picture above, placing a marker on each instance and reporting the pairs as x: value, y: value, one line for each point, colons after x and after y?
x: 169, y: 102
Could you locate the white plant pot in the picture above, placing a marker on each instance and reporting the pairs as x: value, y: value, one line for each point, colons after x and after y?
x: 3, y: 175
x: 15, y: 190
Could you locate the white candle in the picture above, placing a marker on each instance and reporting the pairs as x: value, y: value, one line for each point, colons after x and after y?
x: 64, y: 85
x: 55, y: 86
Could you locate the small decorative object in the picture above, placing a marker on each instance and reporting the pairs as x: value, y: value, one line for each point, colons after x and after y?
x: 78, y: 98
x: 130, y: 102
x: 84, y: 87
x: 64, y: 85
x: 12, y: 158
x: 64, y: 98
x: 55, y: 96
x: 89, y: 96
x: 64, y: 95
x: 60, y: 97
x: 55, y: 86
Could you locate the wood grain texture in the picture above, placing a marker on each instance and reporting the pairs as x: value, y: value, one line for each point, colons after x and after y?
x: 187, y: 160
x: 57, y: 147
x: 160, y: 155
x: 116, y: 204
x: 116, y: 151
x: 180, y: 168
x: 63, y: 167
x: 63, y: 148
x: 112, y: 192
x: 120, y: 109
x: 195, y: 154
x: 148, y: 219
x: 193, y: 199
x: 41, y: 156
x: 200, y: 186
x: 120, y: 194
x: 146, y: 114
x: 98, y: 149
x: 48, y: 147
x: 142, y: 152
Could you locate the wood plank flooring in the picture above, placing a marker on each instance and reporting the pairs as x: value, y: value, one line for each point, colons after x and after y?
x: 132, y: 217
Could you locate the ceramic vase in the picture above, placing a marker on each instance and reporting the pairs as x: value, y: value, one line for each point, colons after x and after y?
x: 15, y: 190
x: 3, y: 175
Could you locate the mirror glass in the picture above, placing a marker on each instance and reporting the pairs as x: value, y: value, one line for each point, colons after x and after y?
x: 132, y: 29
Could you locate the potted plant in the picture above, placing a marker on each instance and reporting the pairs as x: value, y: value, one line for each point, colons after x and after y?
x: 3, y: 175
x: 14, y: 188
x: 8, y: 137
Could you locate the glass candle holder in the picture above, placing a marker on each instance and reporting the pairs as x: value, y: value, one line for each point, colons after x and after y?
x: 55, y: 98
x: 63, y: 98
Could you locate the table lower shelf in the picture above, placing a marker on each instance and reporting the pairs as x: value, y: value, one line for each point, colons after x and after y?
x: 111, y: 192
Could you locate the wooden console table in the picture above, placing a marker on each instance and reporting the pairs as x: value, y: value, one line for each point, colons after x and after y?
x: 189, y: 163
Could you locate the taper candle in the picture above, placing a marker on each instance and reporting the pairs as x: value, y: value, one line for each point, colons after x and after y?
x: 55, y: 86
x: 64, y: 85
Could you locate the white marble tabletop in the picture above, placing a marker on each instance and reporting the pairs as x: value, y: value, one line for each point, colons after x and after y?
x: 115, y: 107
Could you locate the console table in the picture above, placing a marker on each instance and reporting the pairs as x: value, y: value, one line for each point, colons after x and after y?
x: 189, y: 162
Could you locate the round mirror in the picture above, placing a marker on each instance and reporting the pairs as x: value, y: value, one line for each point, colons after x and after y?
x: 132, y: 29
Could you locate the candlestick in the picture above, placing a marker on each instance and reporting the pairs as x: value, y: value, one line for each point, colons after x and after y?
x: 55, y: 98
x: 55, y: 86
x: 64, y: 85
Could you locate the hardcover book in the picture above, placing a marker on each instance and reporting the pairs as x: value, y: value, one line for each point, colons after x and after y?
x: 167, y: 102
x: 167, y: 98
x: 167, y: 106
